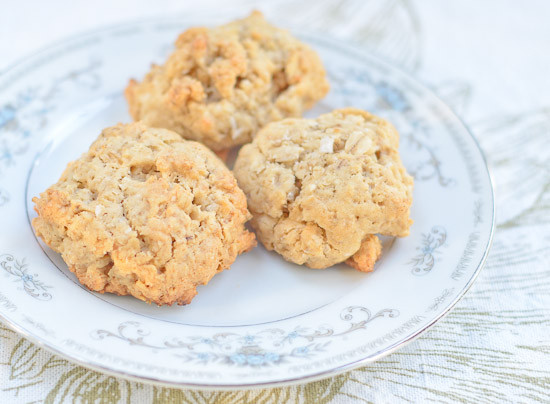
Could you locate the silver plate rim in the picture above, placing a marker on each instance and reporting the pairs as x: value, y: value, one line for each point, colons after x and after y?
x: 353, y: 48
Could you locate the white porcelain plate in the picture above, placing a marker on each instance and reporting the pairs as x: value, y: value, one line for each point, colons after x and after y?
x: 264, y: 321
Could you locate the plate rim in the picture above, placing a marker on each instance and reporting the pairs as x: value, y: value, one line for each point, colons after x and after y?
x: 352, y: 47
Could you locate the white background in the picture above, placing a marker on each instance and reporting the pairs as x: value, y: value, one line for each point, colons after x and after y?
x: 495, y: 43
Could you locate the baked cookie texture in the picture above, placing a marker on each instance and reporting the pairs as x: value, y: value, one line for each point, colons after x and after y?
x: 320, y: 189
x: 222, y: 84
x: 367, y: 255
x: 145, y: 213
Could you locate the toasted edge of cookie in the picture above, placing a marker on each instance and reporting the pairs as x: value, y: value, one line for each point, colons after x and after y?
x: 367, y: 255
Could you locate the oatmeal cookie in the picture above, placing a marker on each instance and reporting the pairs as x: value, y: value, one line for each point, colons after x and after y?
x: 145, y: 213
x: 222, y: 84
x: 319, y: 188
x: 367, y: 255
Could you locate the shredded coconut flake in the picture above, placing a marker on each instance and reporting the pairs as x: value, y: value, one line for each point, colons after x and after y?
x: 327, y: 145
x: 212, y: 207
x: 235, y: 131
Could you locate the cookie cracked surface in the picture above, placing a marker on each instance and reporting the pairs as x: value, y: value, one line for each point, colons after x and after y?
x: 145, y: 213
x: 221, y: 85
x: 320, y: 188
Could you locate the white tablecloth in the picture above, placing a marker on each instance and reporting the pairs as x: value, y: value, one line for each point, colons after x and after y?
x: 490, y: 61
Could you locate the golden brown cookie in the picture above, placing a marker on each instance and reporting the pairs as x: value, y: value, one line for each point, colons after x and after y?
x: 367, y: 255
x: 145, y: 213
x: 222, y: 84
x: 317, y: 188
